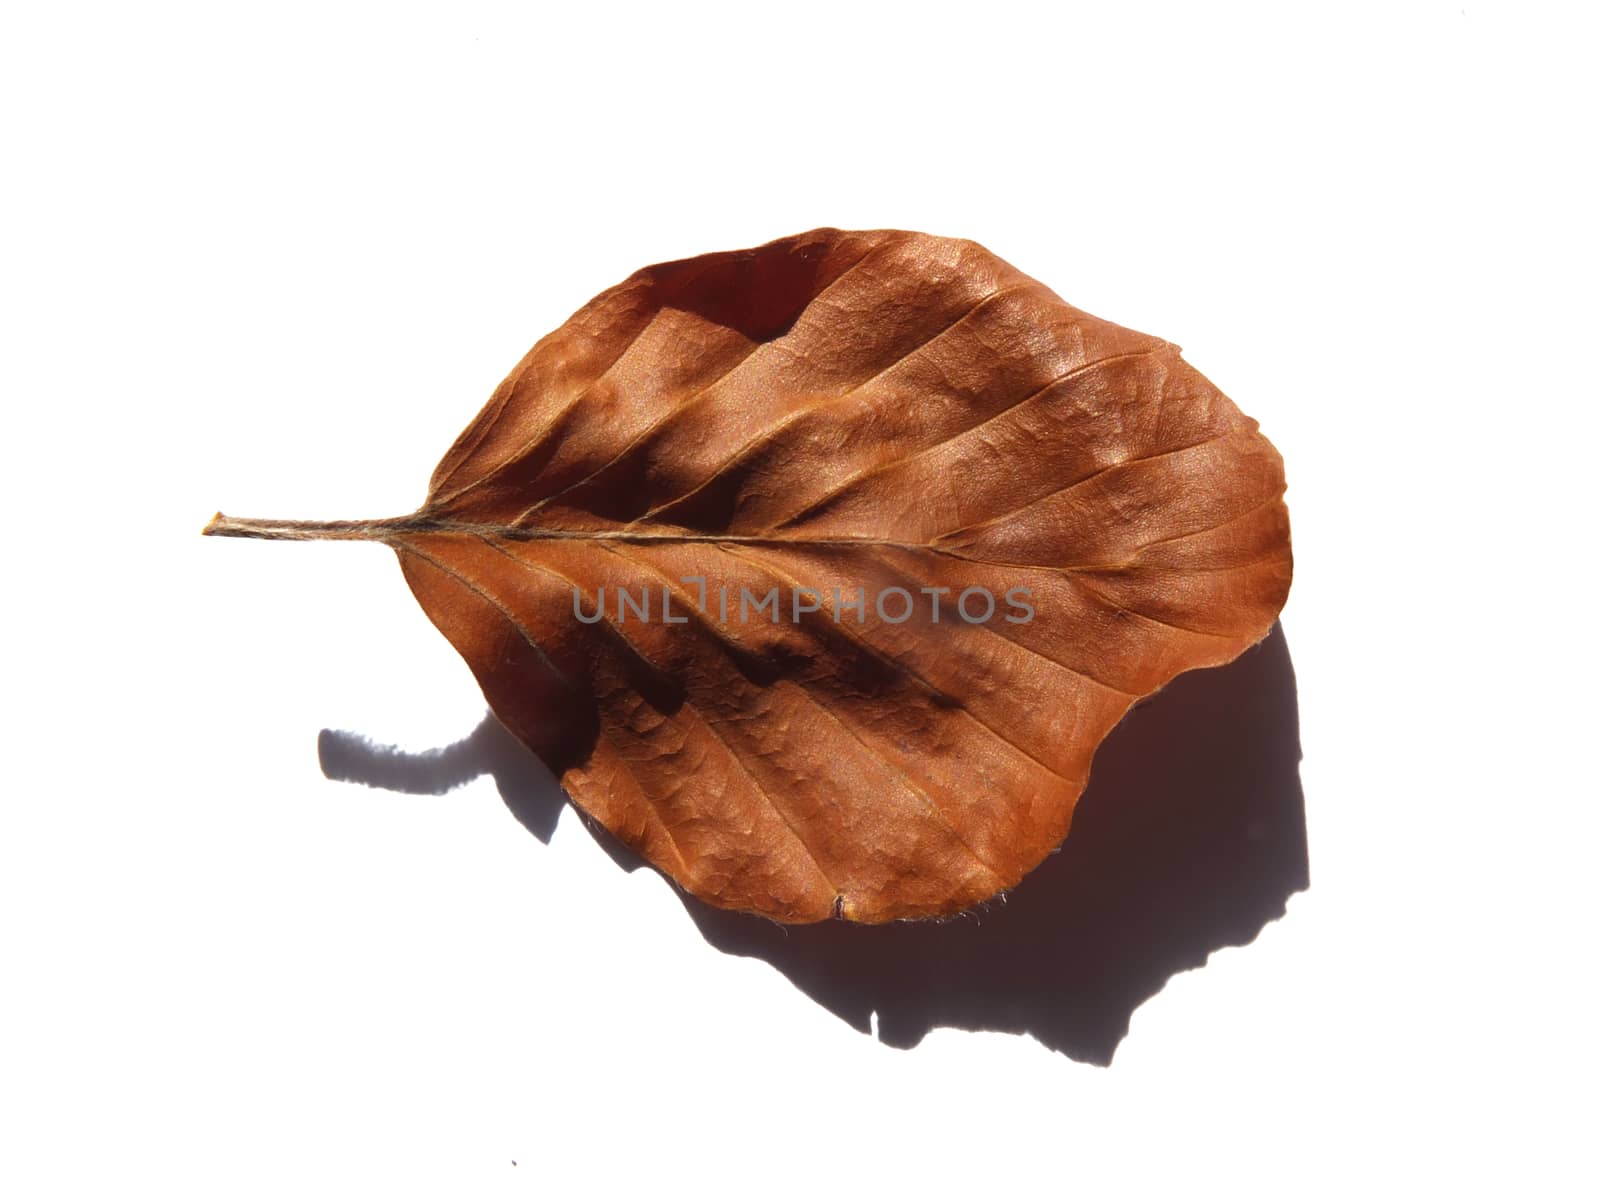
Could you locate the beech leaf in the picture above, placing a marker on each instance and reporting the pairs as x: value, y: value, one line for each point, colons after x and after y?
x: 818, y: 571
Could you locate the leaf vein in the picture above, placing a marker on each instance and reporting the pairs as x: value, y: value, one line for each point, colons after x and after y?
x: 890, y: 660
x: 816, y: 702
x: 693, y: 708
x: 766, y: 435
x: 517, y: 624
x: 879, y: 468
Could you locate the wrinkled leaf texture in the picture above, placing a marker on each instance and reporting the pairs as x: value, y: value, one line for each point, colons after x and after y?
x: 844, y: 409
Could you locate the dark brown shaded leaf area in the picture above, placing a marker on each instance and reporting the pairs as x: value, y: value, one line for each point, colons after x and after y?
x: 843, y: 410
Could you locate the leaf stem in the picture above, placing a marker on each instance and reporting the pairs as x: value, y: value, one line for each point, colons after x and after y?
x: 315, y: 531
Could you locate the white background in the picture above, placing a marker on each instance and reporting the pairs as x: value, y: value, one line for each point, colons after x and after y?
x: 272, y: 260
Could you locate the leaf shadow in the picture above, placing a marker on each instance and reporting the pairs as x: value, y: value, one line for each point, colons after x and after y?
x: 1191, y: 837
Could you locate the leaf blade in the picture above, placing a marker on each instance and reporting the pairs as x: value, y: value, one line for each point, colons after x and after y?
x: 876, y: 410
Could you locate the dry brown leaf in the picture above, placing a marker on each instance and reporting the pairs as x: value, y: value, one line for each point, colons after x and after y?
x: 840, y: 410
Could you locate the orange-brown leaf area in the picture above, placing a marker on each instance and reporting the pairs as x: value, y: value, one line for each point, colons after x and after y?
x: 818, y: 571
